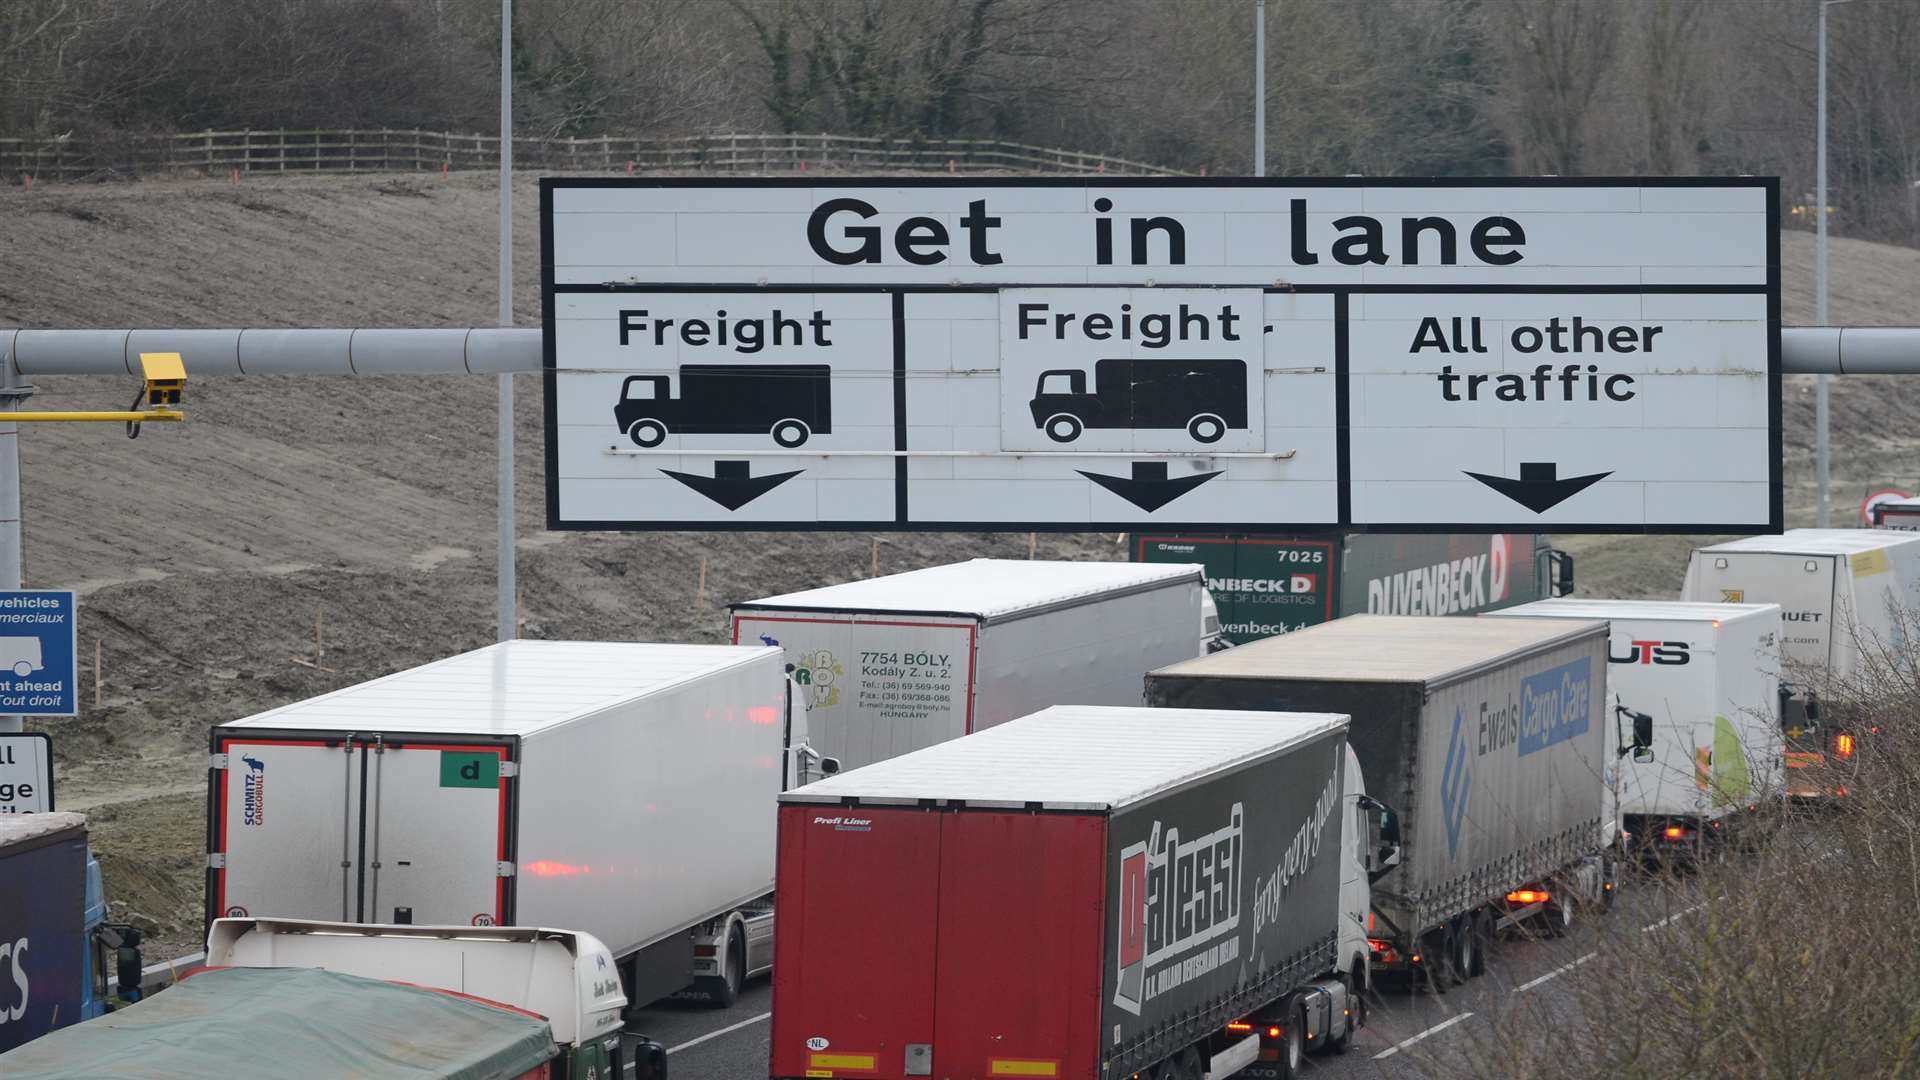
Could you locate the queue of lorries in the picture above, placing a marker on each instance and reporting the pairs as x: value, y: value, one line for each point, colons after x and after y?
x: 1010, y: 818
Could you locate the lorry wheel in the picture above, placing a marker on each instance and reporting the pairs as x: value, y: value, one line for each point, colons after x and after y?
x: 1466, y: 947
x: 723, y: 991
x: 647, y: 433
x: 1063, y: 427
x: 1436, y: 951
x: 1206, y: 428
x: 790, y: 433
x: 1480, y: 929
x: 1293, y: 1051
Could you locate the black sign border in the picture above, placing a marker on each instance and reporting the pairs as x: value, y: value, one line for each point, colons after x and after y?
x: 1344, y: 524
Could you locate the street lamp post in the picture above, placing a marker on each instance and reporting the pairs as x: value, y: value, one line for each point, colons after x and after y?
x: 504, y: 600
x: 1821, y: 457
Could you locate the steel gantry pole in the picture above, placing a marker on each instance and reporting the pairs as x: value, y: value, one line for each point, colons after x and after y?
x: 1259, y: 87
x: 1821, y: 452
x: 504, y: 568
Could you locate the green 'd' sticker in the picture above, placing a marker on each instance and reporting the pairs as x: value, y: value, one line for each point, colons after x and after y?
x: 458, y: 769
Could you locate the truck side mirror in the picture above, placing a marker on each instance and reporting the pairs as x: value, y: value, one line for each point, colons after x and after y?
x: 829, y: 766
x: 1560, y: 584
x: 1642, y: 735
x: 647, y: 1058
x: 1383, y: 847
x: 1642, y: 754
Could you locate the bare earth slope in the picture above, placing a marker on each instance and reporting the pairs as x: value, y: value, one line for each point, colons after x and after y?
x: 212, y: 551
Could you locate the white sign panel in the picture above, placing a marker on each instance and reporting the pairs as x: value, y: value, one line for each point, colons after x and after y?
x: 1579, y: 355
x: 26, y: 773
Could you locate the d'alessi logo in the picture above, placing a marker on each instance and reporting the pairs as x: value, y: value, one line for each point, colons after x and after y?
x: 253, y: 793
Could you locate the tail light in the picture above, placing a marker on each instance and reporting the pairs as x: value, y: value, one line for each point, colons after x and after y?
x: 1843, y: 745
x: 1273, y: 1032
x: 1528, y: 896
x: 706, y: 950
x: 1239, y: 1027
x: 1383, y: 951
x: 1674, y: 832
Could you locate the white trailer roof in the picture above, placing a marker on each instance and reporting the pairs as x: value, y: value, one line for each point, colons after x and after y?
x: 988, y: 588
x: 1667, y: 610
x: 1383, y: 648
x: 1815, y: 542
x: 23, y: 828
x: 1077, y: 757
x: 512, y: 688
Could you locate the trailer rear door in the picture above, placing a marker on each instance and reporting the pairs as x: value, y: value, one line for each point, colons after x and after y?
x: 438, y: 834
x: 1026, y: 886
x: 277, y: 803
x: 859, y: 898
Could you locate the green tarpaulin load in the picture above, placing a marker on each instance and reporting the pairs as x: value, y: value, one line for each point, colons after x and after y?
x: 291, y: 1024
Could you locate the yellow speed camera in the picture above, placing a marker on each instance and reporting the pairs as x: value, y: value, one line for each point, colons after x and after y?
x: 165, y: 375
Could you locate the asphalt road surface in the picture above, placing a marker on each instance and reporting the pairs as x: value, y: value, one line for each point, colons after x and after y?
x: 1410, y: 1035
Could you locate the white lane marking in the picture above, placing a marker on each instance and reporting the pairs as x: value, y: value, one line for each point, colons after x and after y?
x: 1651, y: 927
x: 750, y: 1021
x: 1555, y: 973
x: 1434, y: 1030
x: 729, y: 1029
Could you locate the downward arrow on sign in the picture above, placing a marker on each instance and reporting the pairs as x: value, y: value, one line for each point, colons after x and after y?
x: 730, y: 485
x: 1148, y: 488
x: 1539, y: 488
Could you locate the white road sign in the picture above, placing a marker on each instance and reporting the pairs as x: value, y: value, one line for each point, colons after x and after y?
x: 1581, y: 355
x: 26, y: 773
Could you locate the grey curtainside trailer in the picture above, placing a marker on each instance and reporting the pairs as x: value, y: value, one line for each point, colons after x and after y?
x: 1490, y: 738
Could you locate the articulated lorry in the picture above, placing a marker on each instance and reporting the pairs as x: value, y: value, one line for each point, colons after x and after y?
x: 626, y: 790
x: 897, y: 663
x: 1081, y: 894
x: 1487, y: 735
x: 293, y: 999
x: 1267, y: 585
x: 1845, y: 595
x: 1709, y: 677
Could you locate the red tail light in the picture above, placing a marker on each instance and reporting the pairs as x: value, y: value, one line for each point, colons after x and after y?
x: 1674, y: 832
x: 1239, y: 1027
x: 1527, y: 896
x: 706, y: 950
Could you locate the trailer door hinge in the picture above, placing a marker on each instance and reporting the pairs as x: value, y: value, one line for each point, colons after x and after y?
x: 216, y: 761
x: 503, y: 869
x: 509, y: 768
x: 216, y: 860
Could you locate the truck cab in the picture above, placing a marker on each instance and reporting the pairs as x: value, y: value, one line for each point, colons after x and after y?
x: 565, y: 976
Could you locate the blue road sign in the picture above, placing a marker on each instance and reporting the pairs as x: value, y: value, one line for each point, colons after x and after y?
x: 37, y: 653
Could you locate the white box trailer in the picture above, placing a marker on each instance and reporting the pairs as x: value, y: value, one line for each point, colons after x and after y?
x: 1840, y: 591
x: 1709, y: 676
x: 897, y: 663
x: 1900, y: 515
x: 626, y: 790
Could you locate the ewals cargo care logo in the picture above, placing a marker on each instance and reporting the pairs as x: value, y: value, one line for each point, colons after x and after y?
x: 1456, y: 780
x: 1175, y: 898
x: 253, y: 797
x: 1555, y: 705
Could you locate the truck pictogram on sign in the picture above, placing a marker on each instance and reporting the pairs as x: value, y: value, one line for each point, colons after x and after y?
x: 790, y: 402
x: 1206, y: 397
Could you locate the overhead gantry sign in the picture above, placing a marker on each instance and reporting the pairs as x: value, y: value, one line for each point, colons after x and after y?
x: 1229, y: 355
